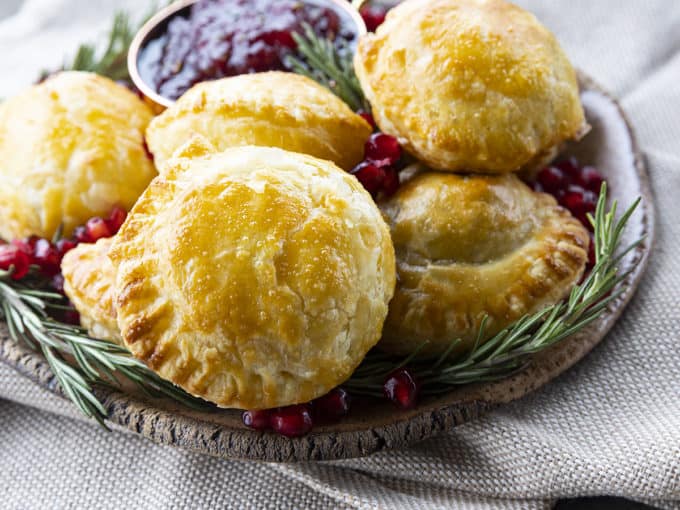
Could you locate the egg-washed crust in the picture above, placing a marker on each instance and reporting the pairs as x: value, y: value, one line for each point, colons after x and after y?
x: 470, y: 247
x: 272, y: 109
x: 70, y: 148
x: 472, y: 85
x: 89, y: 280
x: 253, y: 278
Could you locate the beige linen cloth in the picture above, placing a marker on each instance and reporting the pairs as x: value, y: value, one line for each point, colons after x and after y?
x: 610, y: 425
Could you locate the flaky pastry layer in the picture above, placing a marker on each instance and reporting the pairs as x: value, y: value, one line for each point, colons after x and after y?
x: 89, y: 280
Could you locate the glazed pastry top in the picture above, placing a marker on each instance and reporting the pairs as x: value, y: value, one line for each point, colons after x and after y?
x: 471, y: 85
x: 474, y: 246
x: 255, y: 277
x: 71, y: 148
x: 273, y: 109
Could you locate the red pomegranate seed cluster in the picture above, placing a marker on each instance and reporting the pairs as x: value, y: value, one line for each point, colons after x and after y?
x: 400, y: 387
x: 21, y: 254
x: 576, y: 188
x: 298, y: 420
x: 379, y: 171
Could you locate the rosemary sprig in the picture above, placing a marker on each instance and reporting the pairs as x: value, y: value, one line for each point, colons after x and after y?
x: 112, y: 61
x: 511, y: 349
x: 97, y: 362
x: 321, y: 61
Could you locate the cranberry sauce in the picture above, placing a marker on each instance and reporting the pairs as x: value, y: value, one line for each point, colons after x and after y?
x: 219, y: 38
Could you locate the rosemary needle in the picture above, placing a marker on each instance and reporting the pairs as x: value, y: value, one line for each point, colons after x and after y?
x: 319, y: 60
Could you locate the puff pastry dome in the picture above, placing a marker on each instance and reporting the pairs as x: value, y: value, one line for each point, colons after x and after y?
x: 253, y: 278
x: 89, y: 280
x: 473, y: 85
x: 273, y: 109
x: 71, y: 148
x: 470, y: 246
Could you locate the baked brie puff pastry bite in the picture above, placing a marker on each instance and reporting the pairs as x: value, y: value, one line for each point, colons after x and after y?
x: 89, y: 280
x: 253, y: 278
x: 470, y: 247
x: 70, y: 148
x: 471, y: 85
x: 272, y: 109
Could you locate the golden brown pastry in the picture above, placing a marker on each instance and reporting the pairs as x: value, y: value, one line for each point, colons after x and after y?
x: 70, y: 148
x: 253, y: 278
x: 472, y: 85
x: 473, y: 246
x: 89, y: 278
x: 273, y: 109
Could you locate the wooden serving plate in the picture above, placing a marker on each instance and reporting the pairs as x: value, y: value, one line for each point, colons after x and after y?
x: 375, y: 425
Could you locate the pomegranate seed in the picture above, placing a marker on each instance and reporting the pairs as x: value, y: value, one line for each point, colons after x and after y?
x: 14, y: 258
x: 27, y: 244
x: 258, y: 420
x: 65, y: 245
x: 536, y: 186
x: 368, y: 117
x: 382, y: 149
x: 590, y: 179
x: 47, y: 257
x: 80, y: 234
x: 57, y: 283
x: 402, y: 388
x: 116, y: 219
x: 373, y: 15
x: 332, y: 406
x: 292, y: 421
x: 71, y: 316
x: 552, y: 179
x: 569, y: 166
x: 97, y: 228
x: 579, y: 200
x: 572, y: 200
x: 390, y: 181
x: 370, y: 176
